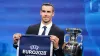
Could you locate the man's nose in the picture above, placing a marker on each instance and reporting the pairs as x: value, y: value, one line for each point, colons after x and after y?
x: 46, y: 13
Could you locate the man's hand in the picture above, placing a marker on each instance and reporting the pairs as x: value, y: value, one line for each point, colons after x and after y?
x: 55, y: 41
x: 16, y: 37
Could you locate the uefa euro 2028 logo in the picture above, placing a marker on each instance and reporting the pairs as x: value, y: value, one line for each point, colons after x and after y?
x: 34, y: 50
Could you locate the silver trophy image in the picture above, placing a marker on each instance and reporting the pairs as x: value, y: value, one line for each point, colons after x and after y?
x: 73, y: 42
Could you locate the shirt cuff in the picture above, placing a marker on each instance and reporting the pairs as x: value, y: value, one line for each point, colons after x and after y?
x: 56, y: 48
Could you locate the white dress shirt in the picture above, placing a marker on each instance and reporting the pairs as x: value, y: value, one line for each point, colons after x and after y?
x: 41, y: 29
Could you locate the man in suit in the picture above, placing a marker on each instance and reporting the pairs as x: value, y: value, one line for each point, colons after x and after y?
x: 46, y: 27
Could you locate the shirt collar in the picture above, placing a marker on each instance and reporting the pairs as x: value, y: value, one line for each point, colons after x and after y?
x: 48, y: 26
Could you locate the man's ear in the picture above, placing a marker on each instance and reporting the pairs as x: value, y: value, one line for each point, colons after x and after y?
x: 53, y: 14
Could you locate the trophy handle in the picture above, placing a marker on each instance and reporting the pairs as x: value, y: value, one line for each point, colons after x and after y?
x: 81, y: 39
x: 65, y: 42
x: 65, y: 37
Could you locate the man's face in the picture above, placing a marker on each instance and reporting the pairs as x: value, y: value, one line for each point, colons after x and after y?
x: 46, y: 13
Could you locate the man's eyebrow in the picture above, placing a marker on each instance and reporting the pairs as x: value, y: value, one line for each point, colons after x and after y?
x: 48, y: 11
x: 43, y: 10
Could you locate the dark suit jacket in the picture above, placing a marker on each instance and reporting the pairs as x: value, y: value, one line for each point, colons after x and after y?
x: 34, y: 29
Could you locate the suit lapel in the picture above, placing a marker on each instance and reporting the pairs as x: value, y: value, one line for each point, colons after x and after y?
x: 37, y: 28
x: 51, y: 30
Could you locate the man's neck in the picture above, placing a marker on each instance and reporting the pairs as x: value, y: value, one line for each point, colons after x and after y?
x: 46, y: 23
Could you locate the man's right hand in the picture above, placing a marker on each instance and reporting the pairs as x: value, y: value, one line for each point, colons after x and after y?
x: 16, y: 37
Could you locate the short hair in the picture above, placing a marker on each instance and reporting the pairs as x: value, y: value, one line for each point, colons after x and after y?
x: 48, y: 4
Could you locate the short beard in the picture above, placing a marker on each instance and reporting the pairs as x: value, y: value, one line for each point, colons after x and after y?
x: 45, y: 21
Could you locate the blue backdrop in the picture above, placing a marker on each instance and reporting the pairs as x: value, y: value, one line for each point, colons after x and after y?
x: 17, y: 15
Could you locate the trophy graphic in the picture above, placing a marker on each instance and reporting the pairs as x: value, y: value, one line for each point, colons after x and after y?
x: 73, y: 45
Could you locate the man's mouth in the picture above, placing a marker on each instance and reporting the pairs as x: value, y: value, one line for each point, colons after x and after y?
x: 46, y: 17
